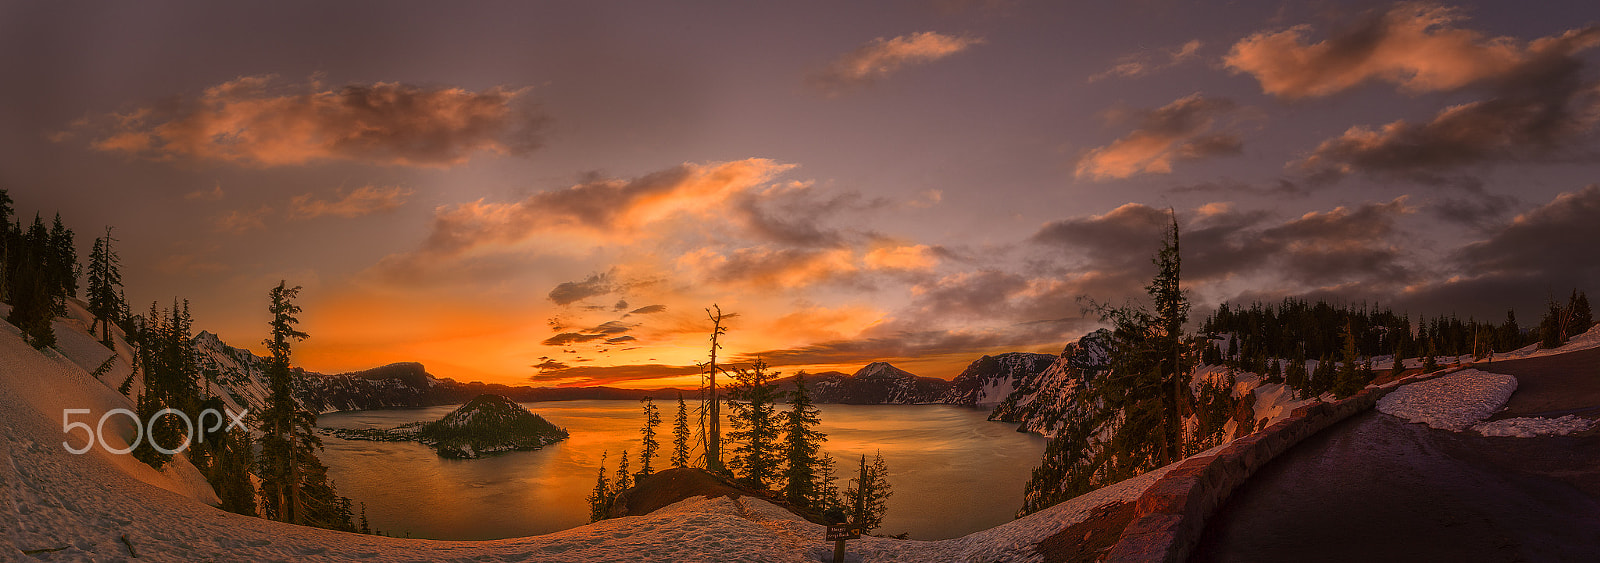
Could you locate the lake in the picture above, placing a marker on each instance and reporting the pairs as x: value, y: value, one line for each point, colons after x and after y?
x: 952, y: 471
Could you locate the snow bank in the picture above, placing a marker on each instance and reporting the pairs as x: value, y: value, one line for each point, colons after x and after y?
x: 1530, y: 427
x: 1453, y: 402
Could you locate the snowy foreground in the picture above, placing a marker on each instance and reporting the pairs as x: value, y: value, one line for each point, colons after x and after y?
x: 1462, y: 400
x: 87, y: 504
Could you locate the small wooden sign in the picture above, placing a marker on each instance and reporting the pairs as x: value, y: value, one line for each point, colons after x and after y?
x: 838, y: 532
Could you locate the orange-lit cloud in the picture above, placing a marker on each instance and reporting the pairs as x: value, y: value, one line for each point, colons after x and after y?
x: 917, y: 257
x: 881, y: 57
x: 1414, y: 45
x: 601, y: 211
x: 1181, y: 130
x: 248, y: 122
x: 361, y: 201
x: 1545, y: 106
x: 1148, y: 62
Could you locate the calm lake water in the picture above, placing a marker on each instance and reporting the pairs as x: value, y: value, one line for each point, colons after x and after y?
x: 953, y: 472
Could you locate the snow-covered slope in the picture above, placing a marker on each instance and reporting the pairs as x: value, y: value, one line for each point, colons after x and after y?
x: 989, y: 380
x: 1042, y: 402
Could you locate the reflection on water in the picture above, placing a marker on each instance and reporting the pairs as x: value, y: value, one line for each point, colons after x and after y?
x: 953, y: 472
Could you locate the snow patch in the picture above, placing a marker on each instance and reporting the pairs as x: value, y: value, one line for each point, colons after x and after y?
x: 1453, y: 402
x: 1530, y: 427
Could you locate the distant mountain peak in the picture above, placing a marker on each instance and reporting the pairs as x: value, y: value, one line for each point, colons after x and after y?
x: 882, y: 370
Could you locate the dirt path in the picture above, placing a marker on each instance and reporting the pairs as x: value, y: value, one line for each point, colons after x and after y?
x: 1552, y: 386
x: 1377, y: 488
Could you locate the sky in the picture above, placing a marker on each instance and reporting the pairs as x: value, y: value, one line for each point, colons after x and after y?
x: 554, y: 193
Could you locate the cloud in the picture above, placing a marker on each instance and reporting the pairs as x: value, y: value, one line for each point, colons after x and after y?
x: 792, y: 214
x: 365, y: 200
x: 240, y: 221
x: 567, y: 293
x: 213, y: 194
x: 567, y: 338
x: 585, y: 376
x: 250, y: 123
x: 769, y: 268
x: 595, y: 211
x: 1181, y: 130
x: 916, y: 257
x: 1553, y: 238
x: 601, y: 207
x: 1280, y: 187
x: 1111, y: 252
x: 1150, y: 61
x: 648, y: 309
x: 881, y: 57
x: 1517, y: 264
x: 1540, y: 110
x: 1414, y: 45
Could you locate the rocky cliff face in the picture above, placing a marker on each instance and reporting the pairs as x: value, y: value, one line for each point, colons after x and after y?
x: 991, y: 379
x: 1043, y: 402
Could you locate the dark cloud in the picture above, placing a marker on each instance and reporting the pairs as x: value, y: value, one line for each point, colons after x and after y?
x: 567, y: 293
x: 549, y: 364
x: 794, y: 216
x: 250, y: 122
x: 566, y: 338
x: 1181, y: 130
x: 1316, y: 249
x: 648, y: 309
x: 1280, y: 187
x: 586, y: 376
x: 1480, y: 210
x: 1558, y: 240
x: 611, y: 327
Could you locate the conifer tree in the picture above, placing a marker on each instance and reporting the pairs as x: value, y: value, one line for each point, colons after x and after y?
x: 105, y: 277
x: 802, y: 448
x: 1430, y: 363
x: 680, y: 435
x: 652, y: 419
x: 294, y: 482
x: 62, y: 258
x: 756, y: 457
x: 600, y: 497
x: 1295, y: 375
x: 871, y: 495
x: 1348, y: 381
x: 1552, y: 329
x: 624, y: 479
x: 1582, y: 317
x: 33, y: 290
